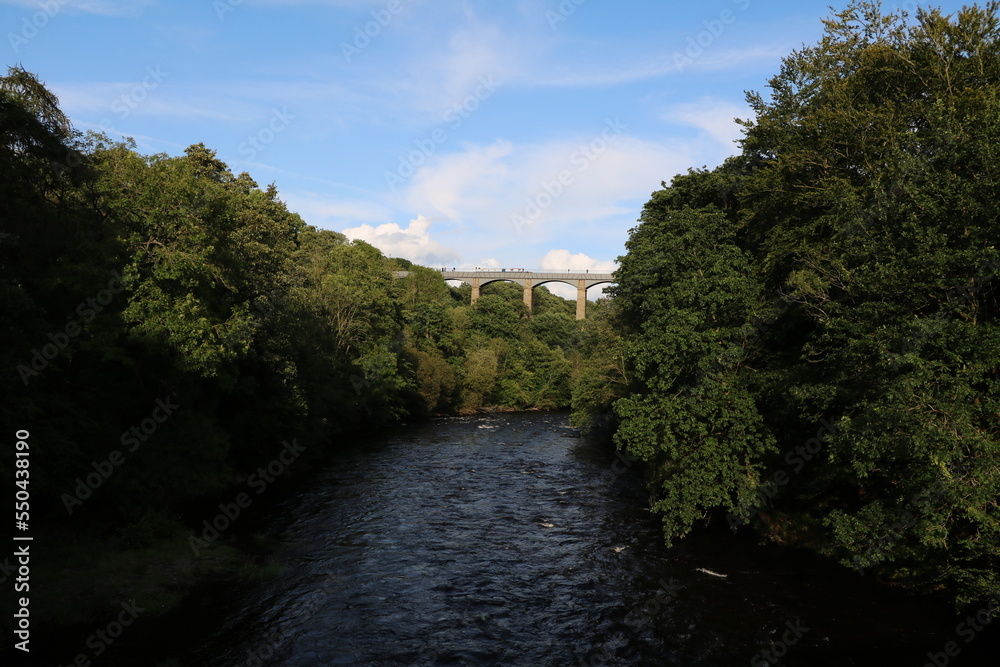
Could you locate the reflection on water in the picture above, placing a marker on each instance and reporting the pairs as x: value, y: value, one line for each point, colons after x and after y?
x: 509, y: 540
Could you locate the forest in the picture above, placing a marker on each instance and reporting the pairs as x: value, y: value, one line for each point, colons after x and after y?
x: 807, y: 337
x: 802, y: 342
x: 170, y: 327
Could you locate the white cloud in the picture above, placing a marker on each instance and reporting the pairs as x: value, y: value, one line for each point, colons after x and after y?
x: 114, y: 8
x: 740, y: 58
x: 561, y: 189
x: 413, y: 243
x: 713, y: 116
x: 459, y: 182
x: 563, y: 260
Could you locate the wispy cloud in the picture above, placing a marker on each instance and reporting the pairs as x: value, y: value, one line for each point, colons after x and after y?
x: 330, y: 212
x: 97, y: 100
x: 713, y: 116
x: 386, y: 110
x: 126, y: 8
x: 741, y: 57
x: 234, y: 104
x: 444, y: 65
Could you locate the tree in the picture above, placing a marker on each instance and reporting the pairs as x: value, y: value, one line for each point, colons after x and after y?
x: 437, y: 381
x: 544, y: 302
x: 421, y: 286
x: 600, y: 374
x: 840, y: 270
x: 56, y: 252
x: 37, y: 101
x: 493, y: 316
x: 686, y: 293
x: 479, y: 379
x: 554, y: 328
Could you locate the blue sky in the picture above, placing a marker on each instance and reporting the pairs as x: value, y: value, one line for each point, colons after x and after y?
x: 526, y: 133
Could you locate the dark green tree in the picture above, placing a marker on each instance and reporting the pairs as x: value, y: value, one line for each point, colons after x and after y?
x: 840, y: 269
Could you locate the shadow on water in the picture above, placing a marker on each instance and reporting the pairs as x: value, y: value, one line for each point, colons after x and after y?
x: 511, y: 540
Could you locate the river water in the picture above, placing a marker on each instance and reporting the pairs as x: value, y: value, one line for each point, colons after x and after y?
x: 511, y: 540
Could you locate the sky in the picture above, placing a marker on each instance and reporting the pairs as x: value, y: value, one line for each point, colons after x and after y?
x: 453, y: 133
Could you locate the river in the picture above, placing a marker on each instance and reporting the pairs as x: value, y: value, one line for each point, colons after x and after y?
x: 510, y: 539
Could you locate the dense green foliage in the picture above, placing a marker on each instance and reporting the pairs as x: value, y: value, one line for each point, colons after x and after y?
x: 810, y: 330
x: 489, y: 353
x: 164, y: 309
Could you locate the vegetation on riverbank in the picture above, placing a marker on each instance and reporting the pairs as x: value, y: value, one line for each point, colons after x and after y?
x: 809, y: 333
x: 804, y: 339
x: 173, y: 334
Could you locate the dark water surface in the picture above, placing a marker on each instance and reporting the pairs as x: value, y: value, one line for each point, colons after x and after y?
x: 511, y: 540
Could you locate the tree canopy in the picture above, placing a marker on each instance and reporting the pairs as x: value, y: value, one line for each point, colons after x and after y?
x: 810, y: 329
x: 129, y: 279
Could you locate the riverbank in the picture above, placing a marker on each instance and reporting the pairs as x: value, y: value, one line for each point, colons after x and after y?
x: 518, y: 483
x: 99, y: 598
x: 84, y: 571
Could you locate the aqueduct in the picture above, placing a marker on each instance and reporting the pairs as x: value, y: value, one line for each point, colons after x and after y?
x: 529, y: 280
